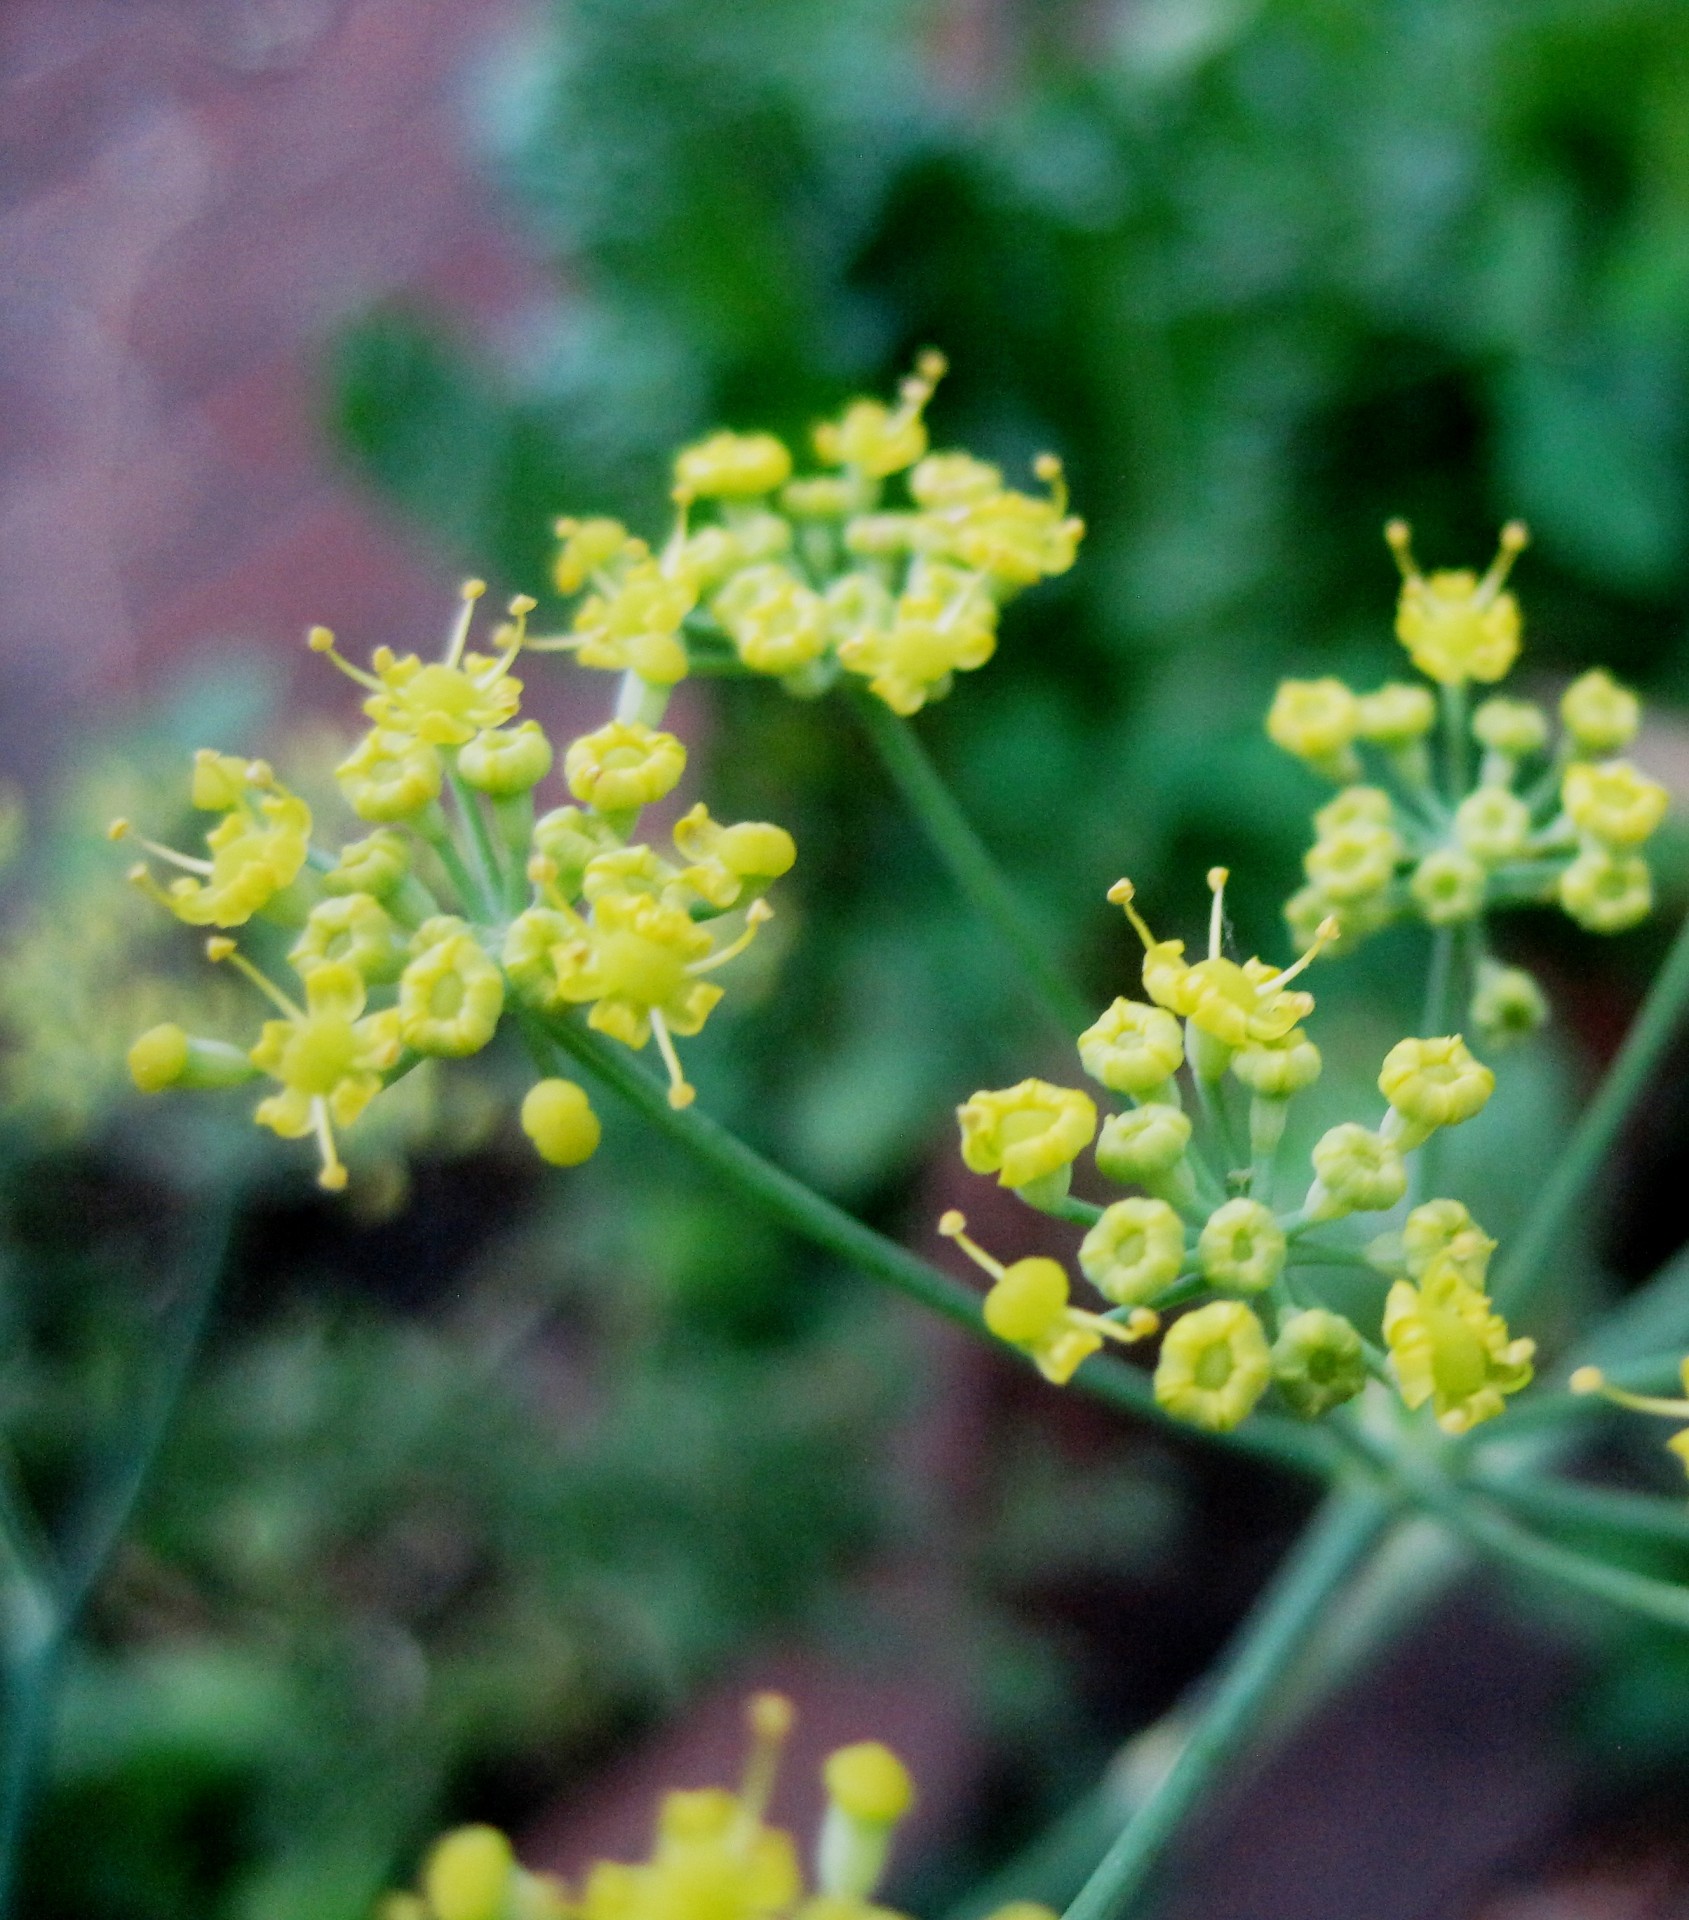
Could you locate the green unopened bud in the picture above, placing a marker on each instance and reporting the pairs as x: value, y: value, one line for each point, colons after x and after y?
x: 1353, y: 862
x: 1431, y: 1083
x: 1507, y: 1005
x: 354, y: 928
x: 1318, y: 1362
x: 1492, y: 824
x: 1133, y: 1049
x: 1397, y: 715
x: 1601, y: 716
x: 1448, y: 886
x: 1144, y: 1146
x: 569, y: 839
x: 1279, y: 1071
x: 1356, y: 1171
x: 1510, y: 728
x: 165, y: 1056
x: 506, y: 761
x: 1316, y: 720
x: 1607, y: 892
x: 374, y: 865
x: 1241, y: 1247
x: 1214, y: 1366
x: 1134, y: 1251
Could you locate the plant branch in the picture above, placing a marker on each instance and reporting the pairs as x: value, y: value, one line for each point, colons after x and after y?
x: 807, y: 1213
x: 1526, y: 1260
x: 965, y: 855
x: 1336, y: 1544
x: 1570, y: 1503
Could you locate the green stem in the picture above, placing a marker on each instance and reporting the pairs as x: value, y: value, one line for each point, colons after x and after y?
x: 1526, y: 1259
x: 1284, y: 1622
x: 1456, y: 742
x: 431, y: 824
x: 31, y: 1679
x: 965, y: 855
x: 1287, y: 1443
x: 1609, y: 1510
x: 486, y: 855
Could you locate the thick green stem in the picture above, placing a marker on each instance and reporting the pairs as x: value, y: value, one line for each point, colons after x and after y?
x: 970, y: 865
x: 1528, y: 1256
x: 1284, y: 1622
x: 31, y: 1677
x: 1588, y: 1509
x: 797, y: 1207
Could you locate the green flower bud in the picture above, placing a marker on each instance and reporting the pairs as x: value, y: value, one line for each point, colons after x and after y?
x: 375, y: 865
x: 1214, y: 1366
x: 506, y: 761
x: 1607, y: 892
x: 1397, y: 715
x: 354, y: 928
x: 1352, y: 862
x: 1356, y: 1171
x: 1601, y: 716
x: 1275, y: 1073
x: 165, y: 1056
x: 1510, y: 728
x: 1242, y: 1246
x: 1318, y: 1362
x: 1507, y: 1004
x: 1492, y: 824
x: 1144, y: 1145
x: 1134, y: 1251
x: 1133, y: 1049
x: 1448, y: 886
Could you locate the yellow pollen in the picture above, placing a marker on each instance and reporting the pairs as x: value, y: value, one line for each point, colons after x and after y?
x: 220, y: 947
x: 1587, y: 1380
x: 1217, y: 878
x: 1327, y: 931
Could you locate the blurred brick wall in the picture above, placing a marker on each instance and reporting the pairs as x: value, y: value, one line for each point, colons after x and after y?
x: 192, y: 193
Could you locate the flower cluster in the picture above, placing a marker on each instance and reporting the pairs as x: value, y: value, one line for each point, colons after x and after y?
x: 713, y: 1856
x: 1497, y: 815
x: 1204, y: 1231
x: 802, y: 578
x: 459, y: 906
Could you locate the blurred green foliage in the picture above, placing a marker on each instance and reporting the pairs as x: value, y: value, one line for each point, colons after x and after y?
x: 1263, y: 271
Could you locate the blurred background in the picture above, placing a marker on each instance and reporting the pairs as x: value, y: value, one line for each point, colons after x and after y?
x: 493, y: 1491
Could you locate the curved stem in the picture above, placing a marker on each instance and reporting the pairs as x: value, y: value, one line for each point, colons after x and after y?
x: 806, y: 1213
x: 1613, y: 1511
x: 1284, y: 1622
x: 31, y: 1678
x: 1526, y: 1259
x: 966, y: 857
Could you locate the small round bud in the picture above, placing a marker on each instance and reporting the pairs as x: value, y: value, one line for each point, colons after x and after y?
x: 1511, y: 728
x: 1277, y: 1072
x: 1133, y: 1048
x: 353, y: 928
x: 1607, y: 892
x: 1214, y: 1366
x: 1134, y: 1251
x: 558, y: 1118
x: 1444, y: 1229
x: 1318, y: 1362
x: 1448, y: 887
x: 1143, y: 1145
x: 623, y: 766
x: 1601, y: 716
x: 1352, y: 862
x: 1507, y: 1004
x: 374, y: 865
x: 869, y: 1782
x: 1241, y: 1246
x: 1398, y: 714
x: 159, y: 1058
x: 1316, y: 720
x: 732, y: 466
x: 506, y: 761
x: 1355, y: 806
x: 451, y: 994
x: 1493, y: 825
x: 1435, y: 1083
x: 390, y: 776
x: 1357, y: 1172
x: 1613, y: 803
x: 468, y: 1874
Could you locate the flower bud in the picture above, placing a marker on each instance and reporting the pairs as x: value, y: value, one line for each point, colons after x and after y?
x: 468, y: 1874
x: 732, y: 466
x: 588, y: 547
x: 165, y: 1056
x: 1448, y: 886
x: 1316, y: 720
x: 1440, y: 1229
x: 623, y: 766
x: 1356, y: 1172
x: 390, y: 776
x: 1242, y: 1247
x: 1613, y: 803
x: 1277, y: 1072
x: 1353, y: 861
x: 558, y: 1118
x: 354, y: 928
x: 506, y: 761
x: 376, y: 865
x: 1607, y: 892
x: 1492, y: 824
x: 1397, y: 715
x: 1133, y: 1049
x: 868, y: 1792
x: 1507, y: 1004
x: 1026, y: 1132
x: 1143, y: 1146
x: 1601, y: 716
x: 1318, y: 1362
x: 1214, y: 1366
x: 450, y: 996
x: 1028, y: 1301
x: 1433, y: 1083
x: 1510, y: 728
x: 1134, y: 1251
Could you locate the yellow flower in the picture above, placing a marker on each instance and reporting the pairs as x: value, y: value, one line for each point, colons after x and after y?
x: 1353, y: 862
x: 588, y: 547
x: 256, y: 849
x: 1455, y: 626
x: 329, y: 1056
x: 1447, y: 1345
x: 451, y: 994
x: 352, y: 929
x: 725, y: 862
x: 732, y: 465
x: 633, y: 624
x: 506, y: 760
x: 1613, y: 803
x: 878, y: 440
x: 558, y: 1118
x: 1432, y: 1083
x: 390, y: 776
x: 1511, y: 728
x: 775, y: 622
x: 1028, y: 1308
x: 1396, y: 715
x: 1607, y: 892
x: 1026, y: 1132
x: 1133, y: 1251
x: 623, y: 766
x: 1601, y: 716
x: 1493, y: 825
x: 1214, y: 1366
x: 1132, y: 1048
x: 1241, y: 1246
x: 943, y: 623
x: 1143, y: 1146
x: 1235, y: 1006
x: 1316, y: 720
x: 1355, y: 1171
x: 1011, y: 536
x: 1448, y: 887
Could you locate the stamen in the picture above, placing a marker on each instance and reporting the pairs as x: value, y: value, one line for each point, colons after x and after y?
x: 954, y: 1226
x: 917, y: 390
x: 1398, y: 537
x: 333, y: 1173
x: 1593, y: 1380
x: 1123, y: 893
x: 553, y: 643
x: 471, y: 591
x: 1327, y: 931
x: 321, y: 640
x: 221, y: 947
x: 1049, y: 469
x: 1515, y: 538
x: 120, y: 829
x: 141, y: 875
x: 758, y: 914
x: 1217, y: 878
x: 769, y: 1717
x: 1140, y: 1324
x: 681, y: 1092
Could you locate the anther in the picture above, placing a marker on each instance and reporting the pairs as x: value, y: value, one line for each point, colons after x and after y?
x: 681, y: 1092
x: 953, y: 1225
